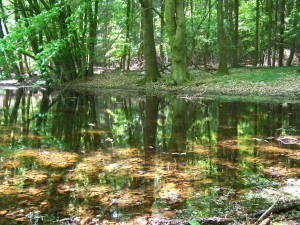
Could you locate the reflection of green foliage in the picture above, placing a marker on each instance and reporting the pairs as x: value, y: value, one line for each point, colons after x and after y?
x: 250, y: 177
x: 214, y: 201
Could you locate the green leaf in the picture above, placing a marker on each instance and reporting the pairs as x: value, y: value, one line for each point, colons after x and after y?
x: 193, y: 222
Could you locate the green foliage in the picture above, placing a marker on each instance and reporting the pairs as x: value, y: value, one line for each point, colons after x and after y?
x: 56, y: 36
x: 193, y: 222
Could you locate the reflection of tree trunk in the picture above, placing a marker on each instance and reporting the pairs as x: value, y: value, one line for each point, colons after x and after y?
x: 65, y: 120
x: 6, y: 100
x: 150, y: 130
x: 150, y: 126
x: 183, y: 116
x: 209, y: 134
x: 227, y: 136
x: 128, y: 114
x: 29, y: 96
x: 43, y: 108
x: 95, y: 142
x: 42, y: 118
x: 14, y: 114
x: 163, y: 128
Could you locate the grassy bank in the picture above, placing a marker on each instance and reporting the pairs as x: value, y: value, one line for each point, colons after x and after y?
x: 277, y: 82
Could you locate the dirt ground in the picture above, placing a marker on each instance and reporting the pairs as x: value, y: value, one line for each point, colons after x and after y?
x: 287, y: 88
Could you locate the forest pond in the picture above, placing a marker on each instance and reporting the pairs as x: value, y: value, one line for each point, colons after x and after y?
x: 68, y: 156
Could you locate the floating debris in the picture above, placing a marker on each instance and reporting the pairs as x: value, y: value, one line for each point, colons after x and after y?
x: 288, y: 140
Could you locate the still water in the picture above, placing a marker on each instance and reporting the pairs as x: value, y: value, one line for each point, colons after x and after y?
x: 75, y: 156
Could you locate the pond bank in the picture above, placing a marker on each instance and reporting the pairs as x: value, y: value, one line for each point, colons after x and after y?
x: 250, y: 82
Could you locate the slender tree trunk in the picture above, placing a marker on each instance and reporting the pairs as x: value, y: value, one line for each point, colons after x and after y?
x: 256, y: 34
x: 141, y: 46
x: 222, y: 40
x: 206, y: 45
x: 162, y: 32
x: 127, y: 37
x: 281, y: 33
x: 175, y: 25
x: 194, y: 55
x: 93, y: 37
x: 270, y: 15
x: 151, y: 66
x: 235, y: 37
x: 295, y: 17
x: 275, y: 46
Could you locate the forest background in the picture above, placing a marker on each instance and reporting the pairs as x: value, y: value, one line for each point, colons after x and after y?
x: 63, y: 40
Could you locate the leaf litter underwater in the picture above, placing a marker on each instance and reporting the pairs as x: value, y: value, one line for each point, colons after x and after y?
x: 133, y: 160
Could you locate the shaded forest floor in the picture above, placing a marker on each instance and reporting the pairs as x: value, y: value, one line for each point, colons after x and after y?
x: 266, y: 82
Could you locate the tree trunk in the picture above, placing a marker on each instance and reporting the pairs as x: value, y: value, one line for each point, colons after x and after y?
x: 292, y: 52
x: 206, y: 45
x: 256, y: 34
x: 222, y: 41
x: 275, y: 46
x: 92, y: 36
x: 162, y: 29
x: 151, y: 66
x: 124, y: 60
x: 295, y: 17
x: 175, y: 25
x: 281, y: 33
x: 270, y: 15
x: 235, y: 35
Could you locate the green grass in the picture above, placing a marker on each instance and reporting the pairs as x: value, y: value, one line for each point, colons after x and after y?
x: 251, y: 75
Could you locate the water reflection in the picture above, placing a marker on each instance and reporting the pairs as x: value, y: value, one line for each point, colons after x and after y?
x: 68, y: 155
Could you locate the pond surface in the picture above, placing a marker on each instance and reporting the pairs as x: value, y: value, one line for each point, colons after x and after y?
x: 71, y: 156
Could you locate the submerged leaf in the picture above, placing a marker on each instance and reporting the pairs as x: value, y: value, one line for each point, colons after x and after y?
x: 193, y: 222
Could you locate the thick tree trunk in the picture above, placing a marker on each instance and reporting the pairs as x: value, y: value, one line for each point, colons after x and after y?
x: 151, y: 66
x: 292, y: 53
x: 222, y: 40
x: 175, y: 24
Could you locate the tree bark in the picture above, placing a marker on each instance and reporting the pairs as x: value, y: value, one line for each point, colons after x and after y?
x: 281, y: 33
x: 256, y: 34
x: 162, y: 31
x: 151, y: 67
x: 275, y: 46
x: 206, y: 45
x: 235, y: 35
x: 222, y: 40
x: 92, y: 37
x: 270, y: 15
x: 175, y: 25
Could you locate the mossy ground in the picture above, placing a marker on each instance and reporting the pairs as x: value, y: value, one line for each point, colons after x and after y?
x: 276, y: 82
